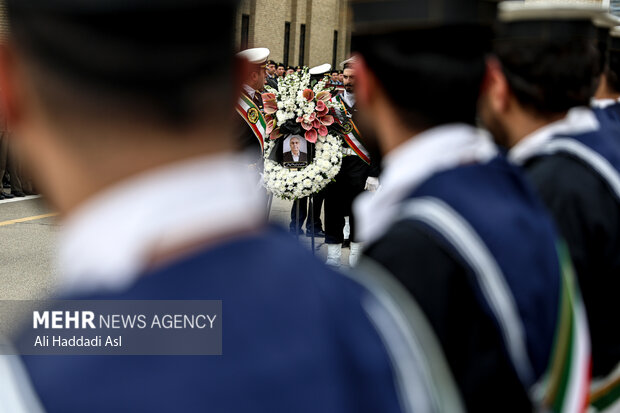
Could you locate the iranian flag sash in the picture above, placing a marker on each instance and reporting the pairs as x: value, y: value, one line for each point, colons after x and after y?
x: 352, y: 134
x: 253, y: 116
x: 565, y: 386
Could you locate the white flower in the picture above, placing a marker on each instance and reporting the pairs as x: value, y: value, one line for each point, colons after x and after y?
x: 323, y: 164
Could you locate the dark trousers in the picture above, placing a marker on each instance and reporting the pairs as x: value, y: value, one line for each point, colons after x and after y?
x: 8, y: 163
x: 304, y: 212
x: 338, y: 205
x: 4, y: 154
x: 339, y: 196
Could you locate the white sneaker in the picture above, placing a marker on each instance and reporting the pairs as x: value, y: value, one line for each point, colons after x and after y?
x: 354, y: 254
x: 334, y: 255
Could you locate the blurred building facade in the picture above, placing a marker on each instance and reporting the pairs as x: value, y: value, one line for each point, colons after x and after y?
x: 298, y: 32
x: 4, y: 24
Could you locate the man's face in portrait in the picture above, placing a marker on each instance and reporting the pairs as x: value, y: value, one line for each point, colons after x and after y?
x: 295, y: 146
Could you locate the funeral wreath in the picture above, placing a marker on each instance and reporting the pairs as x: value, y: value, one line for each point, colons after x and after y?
x: 299, y: 109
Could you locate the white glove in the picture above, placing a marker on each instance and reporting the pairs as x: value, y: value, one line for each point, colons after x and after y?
x: 372, y: 184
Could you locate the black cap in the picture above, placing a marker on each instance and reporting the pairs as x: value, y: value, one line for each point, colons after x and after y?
x: 380, y: 16
x: 126, y: 44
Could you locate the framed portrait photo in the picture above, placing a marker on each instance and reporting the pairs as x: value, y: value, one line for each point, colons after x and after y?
x: 295, y: 152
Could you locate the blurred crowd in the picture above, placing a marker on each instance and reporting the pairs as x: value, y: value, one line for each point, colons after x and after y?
x: 276, y: 71
x: 14, y: 179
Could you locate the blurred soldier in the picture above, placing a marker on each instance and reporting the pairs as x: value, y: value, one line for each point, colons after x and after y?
x: 604, y: 94
x: 537, y: 105
x: 280, y: 71
x: 4, y: 158
x: 15, y: 171
x: 335, y: 82
x: 455, y: 222
x: 357, y: 173
x: 272, y: 79
x: 6, y: 161
x: 251, y: 128
x: 334, y: 78
x: 607, y: 98
x: 106, y: 120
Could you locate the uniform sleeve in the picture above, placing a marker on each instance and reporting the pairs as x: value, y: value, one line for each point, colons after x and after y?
x: 470, y: 341
x: 375, y: 166
x: 588, y: 217
x: 245, y: 140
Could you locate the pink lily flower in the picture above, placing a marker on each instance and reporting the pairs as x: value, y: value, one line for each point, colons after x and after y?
x: 327, y: 120
x: 307, y: 124
x: 270, y: 104
x: 321, y: 108
x: 270, y: 124
x: 323, y: 96
x: 311, y: 135
x: 275, y: 134
x: 323, y: 130
x: 308, y: 94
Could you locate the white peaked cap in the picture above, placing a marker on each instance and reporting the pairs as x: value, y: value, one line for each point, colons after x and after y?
x: 258, y: 55
x: 607, y: 20
x: 550, y: 10
x: 319, y: 70
x: 349, y: 60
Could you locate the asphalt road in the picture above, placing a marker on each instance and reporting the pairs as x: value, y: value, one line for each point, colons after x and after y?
x: 28, y: 246
x: 26, y: 249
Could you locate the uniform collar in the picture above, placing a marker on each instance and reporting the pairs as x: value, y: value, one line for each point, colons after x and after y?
x: 349, y: 98
x: 577, y: 121
x: 108, y: 242
x: 438, y: 149
x: 250, y: 91
x: 603, y: 103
